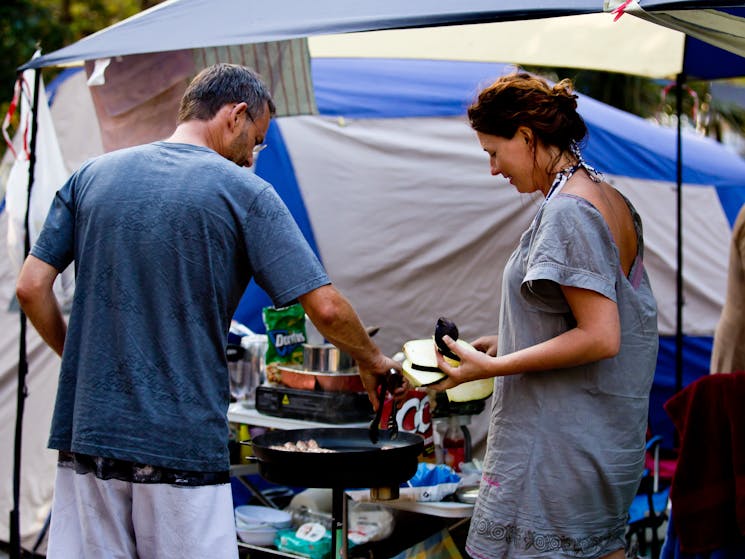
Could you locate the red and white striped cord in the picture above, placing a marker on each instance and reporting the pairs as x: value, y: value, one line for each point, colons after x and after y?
x: 21, y: 89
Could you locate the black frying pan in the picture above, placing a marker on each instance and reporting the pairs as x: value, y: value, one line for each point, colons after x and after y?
x: 356, y: 462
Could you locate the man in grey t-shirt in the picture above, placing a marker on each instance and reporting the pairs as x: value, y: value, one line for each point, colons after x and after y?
x: 165, y: 238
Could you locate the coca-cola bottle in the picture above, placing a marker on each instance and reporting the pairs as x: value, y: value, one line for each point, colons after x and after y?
x: 454, y: 444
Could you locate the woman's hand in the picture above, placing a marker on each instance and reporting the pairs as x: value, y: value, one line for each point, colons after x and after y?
x: 474, y: 364
x: 487, y: 344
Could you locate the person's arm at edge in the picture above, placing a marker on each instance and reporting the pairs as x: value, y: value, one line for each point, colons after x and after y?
x: 37, y: 299
x: 339, y: 323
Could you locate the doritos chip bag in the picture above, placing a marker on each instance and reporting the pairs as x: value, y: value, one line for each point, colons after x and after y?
x: 285, y: 330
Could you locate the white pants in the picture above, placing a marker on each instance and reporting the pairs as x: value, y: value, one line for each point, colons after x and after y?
x: 112, y: 519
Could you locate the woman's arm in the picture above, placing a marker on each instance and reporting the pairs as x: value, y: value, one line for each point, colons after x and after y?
x: 596, y: 336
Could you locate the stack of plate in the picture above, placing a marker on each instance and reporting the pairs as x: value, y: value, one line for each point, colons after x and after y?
x: 258, y: 525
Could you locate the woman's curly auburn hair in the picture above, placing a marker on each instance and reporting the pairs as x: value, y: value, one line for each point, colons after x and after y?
x: 520, y: 99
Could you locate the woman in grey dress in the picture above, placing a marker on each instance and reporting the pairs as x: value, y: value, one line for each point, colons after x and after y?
x: 575, y: 355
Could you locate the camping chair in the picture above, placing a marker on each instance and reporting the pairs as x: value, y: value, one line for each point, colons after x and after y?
x: 648, y: 511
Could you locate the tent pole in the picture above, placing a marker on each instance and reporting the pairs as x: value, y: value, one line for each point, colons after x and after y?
x: 679, y: 82
x: 15, y: 524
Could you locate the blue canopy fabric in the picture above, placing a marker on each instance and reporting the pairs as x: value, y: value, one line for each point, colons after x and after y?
x: 184, y: 24
x: 702, y: 61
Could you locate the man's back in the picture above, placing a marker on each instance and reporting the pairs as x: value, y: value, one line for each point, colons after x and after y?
x: 161, y: 262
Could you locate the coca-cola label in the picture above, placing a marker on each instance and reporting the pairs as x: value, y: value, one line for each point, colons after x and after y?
x: 413, y: 415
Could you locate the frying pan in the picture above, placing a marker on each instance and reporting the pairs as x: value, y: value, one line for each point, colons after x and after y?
x: 356, y: 461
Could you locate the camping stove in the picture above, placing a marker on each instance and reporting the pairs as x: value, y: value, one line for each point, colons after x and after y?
x: 314, y: 405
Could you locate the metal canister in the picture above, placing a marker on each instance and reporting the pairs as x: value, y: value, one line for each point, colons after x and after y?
x: 253, y: 366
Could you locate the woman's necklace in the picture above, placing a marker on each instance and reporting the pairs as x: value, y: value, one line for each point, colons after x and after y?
x: 560, y: 180
x: 566, y: 173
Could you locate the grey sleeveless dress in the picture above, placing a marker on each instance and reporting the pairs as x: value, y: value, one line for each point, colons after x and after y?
x: 565, y: 448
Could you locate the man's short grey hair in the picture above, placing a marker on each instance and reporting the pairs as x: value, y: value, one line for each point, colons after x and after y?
x: 221, y: 84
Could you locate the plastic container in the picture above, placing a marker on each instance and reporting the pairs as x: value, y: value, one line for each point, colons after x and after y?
x: 259, y: 525
x: 253, y: 366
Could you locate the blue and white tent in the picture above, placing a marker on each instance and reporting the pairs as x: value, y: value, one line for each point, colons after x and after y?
x: 392, y: 189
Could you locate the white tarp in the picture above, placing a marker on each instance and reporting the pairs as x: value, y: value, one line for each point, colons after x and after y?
x: 37, y: 462
x: 49, y: 174
x: 591, y: 41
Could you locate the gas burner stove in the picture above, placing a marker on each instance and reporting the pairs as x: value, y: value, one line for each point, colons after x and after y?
x: 314, y: 405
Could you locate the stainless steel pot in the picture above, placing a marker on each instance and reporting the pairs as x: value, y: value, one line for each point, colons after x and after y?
x: 326, y: 358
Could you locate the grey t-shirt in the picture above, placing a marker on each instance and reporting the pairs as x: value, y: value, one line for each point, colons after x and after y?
x: 165, y: 238
x: 565, y: 447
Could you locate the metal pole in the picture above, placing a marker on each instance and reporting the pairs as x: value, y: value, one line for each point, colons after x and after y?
x: 679, y: 81
x: 15, y: 524
x: 337, y: 523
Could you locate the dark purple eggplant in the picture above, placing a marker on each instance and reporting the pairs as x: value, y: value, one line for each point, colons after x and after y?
x: 445, y: 327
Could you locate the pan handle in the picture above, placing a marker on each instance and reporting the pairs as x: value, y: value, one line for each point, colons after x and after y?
x: 395, y: 380
x: 388, y: 383
x: 250, y: 458
x: 374, y: 429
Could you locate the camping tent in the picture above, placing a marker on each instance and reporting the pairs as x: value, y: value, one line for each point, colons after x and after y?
x: 394, y: 191
x: 639, y: 157
x: 213, y: 23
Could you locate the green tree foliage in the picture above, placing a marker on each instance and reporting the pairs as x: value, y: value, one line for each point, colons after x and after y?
x: 646, y: 97
x: 634, y: 94
x: 26, y: 25
x: 23, y: 25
